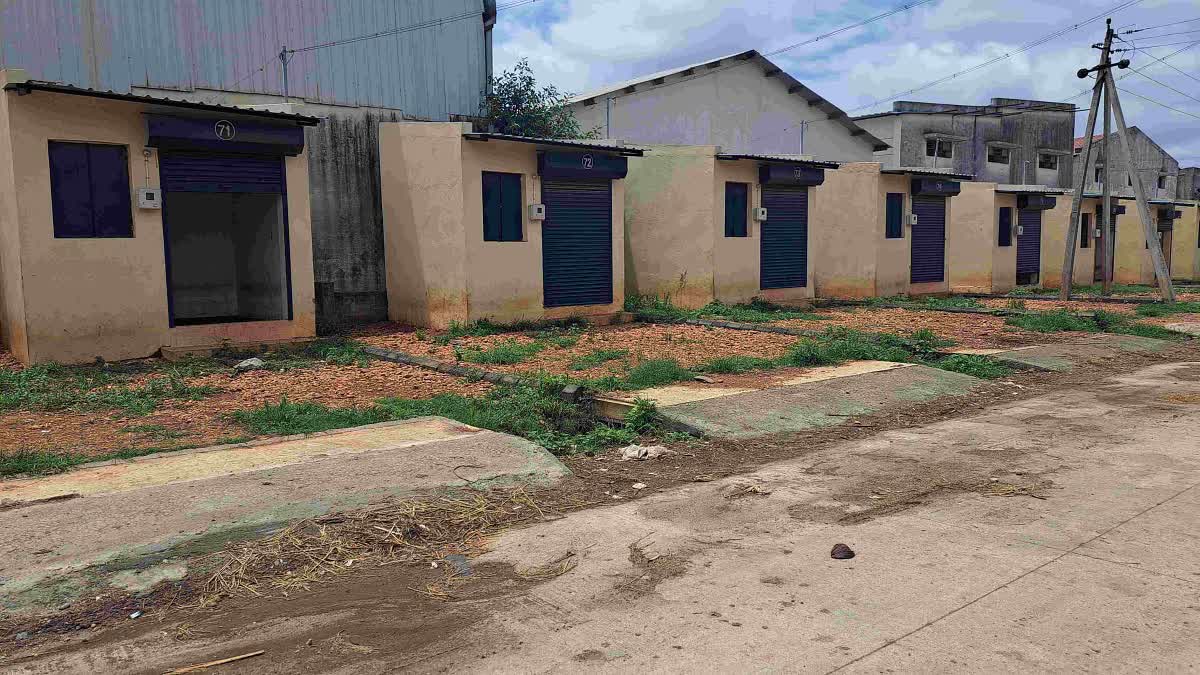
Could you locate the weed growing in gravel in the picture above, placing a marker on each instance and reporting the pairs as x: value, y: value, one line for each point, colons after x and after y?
x: 50, y: 387
x: 597, y: 357
x: 952, y: 302
x: 973, y: 365
x: 507, y: 352
x: 1015, y: 304
x: 733, y: 365
x: 486, y: 327
x: 756, y: 311
x: 42, y: 462
x: 535, y: 412
x: 653, y: 309
x: 1168, y: 308
x: 1100, y: 321
x: 655, y: 372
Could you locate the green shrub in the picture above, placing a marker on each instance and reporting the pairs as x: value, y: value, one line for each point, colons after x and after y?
x: 597, y: 357
x: 1052, y: 322
x: 654, y: 373
x: 506, y: 352
x: 973, y: 365
x: 733, y: 365
x: 654, y: 309
x: 1168, y: 308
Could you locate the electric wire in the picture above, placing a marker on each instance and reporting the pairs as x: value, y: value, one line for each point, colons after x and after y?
x: 1164, y: 105
x: 1161, y: 25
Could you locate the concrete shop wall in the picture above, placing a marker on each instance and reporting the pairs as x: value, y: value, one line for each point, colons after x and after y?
x: 72, y: 300
x: 733, y: 106
x: 1185, y: 257
x: 439, y: 269
x: 976, y: 263
x: 1055, y: 222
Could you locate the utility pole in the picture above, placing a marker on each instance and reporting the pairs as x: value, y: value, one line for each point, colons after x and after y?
x: 1106, y: 85
x: 283, y: 58
x: 1109, y: 234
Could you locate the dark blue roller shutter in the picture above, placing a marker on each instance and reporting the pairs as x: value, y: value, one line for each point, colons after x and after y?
x: 929, y: 239
x: 577, y: 243
x: 783, y: 240
x: 1029, y: 243
x: 192, y: 171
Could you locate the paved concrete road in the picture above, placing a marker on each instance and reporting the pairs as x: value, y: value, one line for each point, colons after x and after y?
x: 1102, y: 573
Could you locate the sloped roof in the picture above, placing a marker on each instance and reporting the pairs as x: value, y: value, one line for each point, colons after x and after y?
x: 765, y: 65
x: 589, y: 144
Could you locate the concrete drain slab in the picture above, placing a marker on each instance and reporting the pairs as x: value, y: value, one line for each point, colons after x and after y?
x: 807, y: 403
x: 131, y: 515
x: 1063, y: 356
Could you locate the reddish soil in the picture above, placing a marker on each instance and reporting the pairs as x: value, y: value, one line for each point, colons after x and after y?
x: 689, y: 345
x: 1072, y: 305
x: 978, y: 331
x: 204, y: 422
x: 9, y: 362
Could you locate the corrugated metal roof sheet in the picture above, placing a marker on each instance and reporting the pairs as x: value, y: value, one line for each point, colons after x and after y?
x: 1031, y: 189
x: 57, y: 88
x: 790, y: 159
x: 609, y: 145
x: 926, y: 171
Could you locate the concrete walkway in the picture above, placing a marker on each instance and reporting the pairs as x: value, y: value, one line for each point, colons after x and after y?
x: 123, y: 521
x: 1098, y: 571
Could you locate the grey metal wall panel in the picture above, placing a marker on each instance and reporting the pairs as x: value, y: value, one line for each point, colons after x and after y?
x: 232, y: 45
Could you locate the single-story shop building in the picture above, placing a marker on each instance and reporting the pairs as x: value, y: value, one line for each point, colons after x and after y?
x: 702, y: 225
x: 130, y: 224
x: 481, y: 225
x: 883, y: 231
x: 1133, y: 264
x: 1089, y: 241
x: 981, y: 245
x: 1185, y: 242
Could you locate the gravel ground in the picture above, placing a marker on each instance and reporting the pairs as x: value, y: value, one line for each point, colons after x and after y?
x: 978, y: 331
x: 9, y: 362
x: 689, y: 345
x: 1072, y: 305
x: 204, y: 422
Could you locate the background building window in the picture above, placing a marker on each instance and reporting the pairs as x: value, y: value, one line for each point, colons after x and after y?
x: 1004, y: 234
x: 1162, y: 182
x: 502, y: 202
x: 894, y: 226
x: 737, y: 204
x: 998, y: 155
x: 935, y: 147
x: 1085, y: 230
x: 89, y: 190
x: 1099, y: 175
x: 1048, y: 162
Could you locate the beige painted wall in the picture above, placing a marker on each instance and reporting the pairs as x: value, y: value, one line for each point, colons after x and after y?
x: 85, y: 298
x: 971, y: 242
x: 893, y: 262
x: 1132, y: 263
x: 673, y: 199
x: 1054, y: 231
x: 439, y: 269
x: 1184, y: 258
x: 846, y: 246
x: 12, y: 296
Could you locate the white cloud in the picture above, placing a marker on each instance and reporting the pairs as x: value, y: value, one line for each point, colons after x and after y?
x: 583, y: 44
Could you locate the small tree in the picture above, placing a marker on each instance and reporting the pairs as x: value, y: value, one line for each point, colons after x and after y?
x: 518, y: 106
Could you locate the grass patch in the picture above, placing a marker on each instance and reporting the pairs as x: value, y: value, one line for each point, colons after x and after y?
x: 972, y: 364
x: 597, y: 357
x: 507, y: 352
x: 654, y: 373
x: 1167, y: 308
x: 51, y: 387
x: 653, y: 309
x: 952, y: 302
x: 1100, y: 321
x: 1016, y: 304
x: 535, y: 412
x: 733, y: 365
x: 486, y: 327
x: 756, y: 311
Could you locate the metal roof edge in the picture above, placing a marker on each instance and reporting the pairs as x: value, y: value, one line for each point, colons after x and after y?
x: 916, y: 171
x: 55, y: 88
x: 627, y: 151
x: 778, y: 159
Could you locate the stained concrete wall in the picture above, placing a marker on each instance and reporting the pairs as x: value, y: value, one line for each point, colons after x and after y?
x: 76, y: 299
x: 1187, y: 184
x: 12, y: 292
x: 846, y: 248
x: 672, y: 198
x: 973, y: 128
x: 1054, y: 232
x: 975, y: 261
x: 734, y: 106
x: 1150, y: 162
x: 1185, y: 258
x: 439, y: 269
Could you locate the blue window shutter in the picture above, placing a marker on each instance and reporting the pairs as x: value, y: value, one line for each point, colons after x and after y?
x: 737, y: 201
x: 894, y: 227
x: 1004, y: 236
x: 491, y: 206
x: 112, y: 211
x: 1085, y: 231
x: 510, y: 207
x: 70, y: 190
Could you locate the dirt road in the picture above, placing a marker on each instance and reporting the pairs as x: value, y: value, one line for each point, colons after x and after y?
x: 1059, y: 532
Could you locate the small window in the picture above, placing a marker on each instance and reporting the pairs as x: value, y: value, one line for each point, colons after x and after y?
x: 89, y: 190
x: 998, y: 155
x: 1085, y: 230
x: 502, y: 202
x: 1004, y: 234
x: 1129, y: 180
x: 894, y: 225
x: 936, y: 147
x: 1099, y: 175
x: 1162, y: 182
x: 737, y: 204
x: 1048, y: 162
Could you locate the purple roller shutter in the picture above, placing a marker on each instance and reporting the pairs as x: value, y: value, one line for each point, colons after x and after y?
x: 783, y: 237
x: 1029, y: 243
x: 928, y: 239
x: 195, y: 171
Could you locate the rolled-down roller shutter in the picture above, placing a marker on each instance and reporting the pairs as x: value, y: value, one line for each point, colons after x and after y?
x: 199, y: 171
x: 783, y: 240
x: 1029, y: 243
x: 928, y: 239
x: 577, y: 243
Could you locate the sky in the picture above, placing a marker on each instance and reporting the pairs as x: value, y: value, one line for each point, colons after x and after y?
x: 579, y: 45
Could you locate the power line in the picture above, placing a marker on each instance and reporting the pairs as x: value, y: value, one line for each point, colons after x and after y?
x: 406, y: 29
x: 1182, y: 72
x: 1163, y: 84
x: 843, y: 29
x: 1163, y: 35
x: 1164, y: 105
x: 1023, y: 48
x: 1161, y: 25
x: 1143, y: 48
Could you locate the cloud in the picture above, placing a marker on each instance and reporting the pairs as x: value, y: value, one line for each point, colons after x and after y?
x: 584, y: 44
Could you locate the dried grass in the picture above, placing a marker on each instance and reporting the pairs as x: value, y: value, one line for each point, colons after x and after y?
x: 315, y: 550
